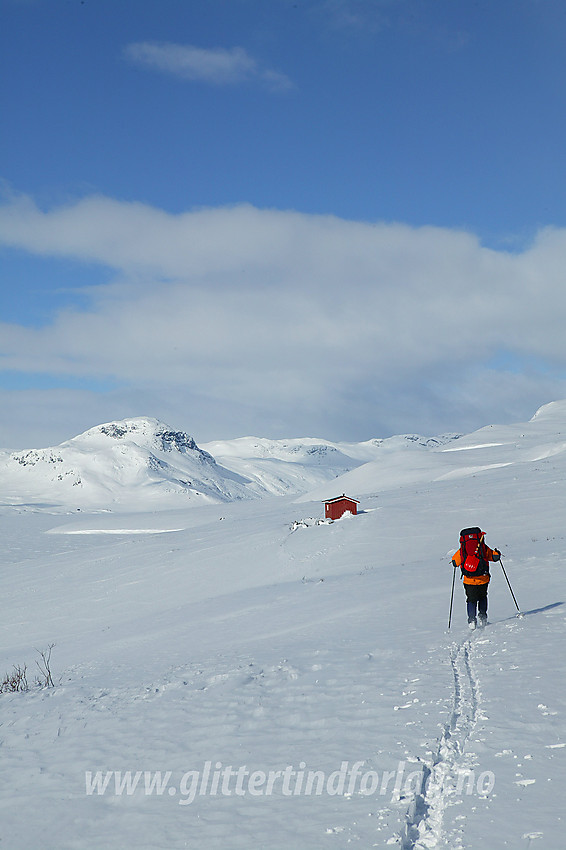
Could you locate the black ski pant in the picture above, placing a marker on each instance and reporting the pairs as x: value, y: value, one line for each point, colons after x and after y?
x: 476, y: 598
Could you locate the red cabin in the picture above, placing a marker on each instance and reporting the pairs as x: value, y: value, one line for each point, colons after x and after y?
x: 335, y: 508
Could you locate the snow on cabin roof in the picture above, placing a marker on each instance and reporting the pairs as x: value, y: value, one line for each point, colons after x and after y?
x: 339, y: 499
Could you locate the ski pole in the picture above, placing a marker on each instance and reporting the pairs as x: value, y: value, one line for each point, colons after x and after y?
x: 452, y: 597
x: 509, y: 585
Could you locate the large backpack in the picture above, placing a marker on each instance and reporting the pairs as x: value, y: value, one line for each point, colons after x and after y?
x: 472, y: 552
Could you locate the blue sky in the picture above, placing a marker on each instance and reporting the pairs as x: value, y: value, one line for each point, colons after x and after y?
x: 273, y: 217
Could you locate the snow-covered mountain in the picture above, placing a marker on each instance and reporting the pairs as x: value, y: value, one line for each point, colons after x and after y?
x: 133, y: 462
x: 311, y: 451
x: 142, y: 463
x: 298, y: 465
x: 282, y: 467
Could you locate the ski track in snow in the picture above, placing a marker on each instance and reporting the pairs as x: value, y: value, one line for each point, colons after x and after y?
x: 425, y: 816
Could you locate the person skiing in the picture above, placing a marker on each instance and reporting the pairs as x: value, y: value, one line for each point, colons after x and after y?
x: 473, y: 558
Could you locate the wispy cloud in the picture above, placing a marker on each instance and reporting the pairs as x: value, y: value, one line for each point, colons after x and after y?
x: 218, y: 66
x: 360, y: 15
x: 368, y: 18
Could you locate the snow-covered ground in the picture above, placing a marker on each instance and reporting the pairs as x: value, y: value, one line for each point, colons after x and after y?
x: 223, y: 681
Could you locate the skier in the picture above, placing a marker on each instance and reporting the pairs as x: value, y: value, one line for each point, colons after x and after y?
x: 473, y: 558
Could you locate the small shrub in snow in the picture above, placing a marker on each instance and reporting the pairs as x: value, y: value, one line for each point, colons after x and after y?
x: 45, y: 679
x: 15, y: 681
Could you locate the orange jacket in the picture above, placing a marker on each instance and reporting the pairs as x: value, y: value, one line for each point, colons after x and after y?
x: 488, y: 554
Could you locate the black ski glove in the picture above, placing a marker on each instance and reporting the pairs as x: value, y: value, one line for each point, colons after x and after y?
x: 496, y: 555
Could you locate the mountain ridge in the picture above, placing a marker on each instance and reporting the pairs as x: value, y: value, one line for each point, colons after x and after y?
x: 141, y: 463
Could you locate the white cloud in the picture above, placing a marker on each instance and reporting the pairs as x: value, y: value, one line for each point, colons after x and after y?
x: 219, y: 66
x: 282, y: 323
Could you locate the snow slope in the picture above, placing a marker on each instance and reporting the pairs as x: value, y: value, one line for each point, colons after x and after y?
x: 227, y: 651
x: 282, y: 467
x: 488, y: 449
